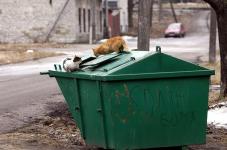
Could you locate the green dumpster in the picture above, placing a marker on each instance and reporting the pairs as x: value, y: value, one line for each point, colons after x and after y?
x: 138, y: 100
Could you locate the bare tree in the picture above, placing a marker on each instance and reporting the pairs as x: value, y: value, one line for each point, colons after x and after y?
x: 213, y: 34
x: 220, y: 7
x: 144, y: 24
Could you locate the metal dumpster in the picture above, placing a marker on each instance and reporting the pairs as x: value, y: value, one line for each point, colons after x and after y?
x: 138, y: 100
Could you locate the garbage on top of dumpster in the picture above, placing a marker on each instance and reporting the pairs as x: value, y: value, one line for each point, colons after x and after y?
x: 138, y: 100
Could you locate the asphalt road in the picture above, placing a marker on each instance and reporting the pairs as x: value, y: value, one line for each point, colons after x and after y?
x: 25, y: 95
x: 24, y: 98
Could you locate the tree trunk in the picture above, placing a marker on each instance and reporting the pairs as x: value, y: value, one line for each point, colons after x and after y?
x: 144, y: 24
x: 130, y: 13
x: 173, y: 11
x: 220, y: 6
x: 213, y: 27
x: 222, y: 29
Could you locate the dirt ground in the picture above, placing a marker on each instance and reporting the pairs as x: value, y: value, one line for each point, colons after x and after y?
x: 216, y: 140
x: 56, y: 130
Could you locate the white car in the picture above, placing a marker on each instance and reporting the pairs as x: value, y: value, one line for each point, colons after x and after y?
x: 175, y: 30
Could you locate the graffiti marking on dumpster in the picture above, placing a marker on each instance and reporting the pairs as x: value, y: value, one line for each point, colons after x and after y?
x: 174, y: 118
x: 167, y: 106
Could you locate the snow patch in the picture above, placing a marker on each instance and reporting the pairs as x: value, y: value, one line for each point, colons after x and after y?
x: 217, y: 115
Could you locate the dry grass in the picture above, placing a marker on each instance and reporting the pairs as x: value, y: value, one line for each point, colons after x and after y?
x: 214, y: 98
x: 215, y: 80
x: 7, y: 57
x: 200, y: 5
x: 24, y: 46
x: 14, y: 53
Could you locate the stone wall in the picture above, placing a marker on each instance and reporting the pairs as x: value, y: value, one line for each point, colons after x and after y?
x: 31, y: 20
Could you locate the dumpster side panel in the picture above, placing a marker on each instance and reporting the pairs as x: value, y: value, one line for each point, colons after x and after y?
x: 156, y: 113
x: 69, y: 88
x: 91, y: 104
x: 84, y: 101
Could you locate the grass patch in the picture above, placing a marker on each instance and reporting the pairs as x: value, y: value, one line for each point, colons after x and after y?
x: 214, y: 98
x: 8, y: 57
x: 25, y: 46
x: 14, y: 53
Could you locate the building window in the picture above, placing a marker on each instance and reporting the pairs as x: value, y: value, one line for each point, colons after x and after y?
x: 100, y: 22
x: 84, y: 19
x: 79, y: 15
x: 89, y: 19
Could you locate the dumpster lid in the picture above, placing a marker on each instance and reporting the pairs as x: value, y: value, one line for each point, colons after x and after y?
x: 111, y: 61
x: 135, y: 65
x: 100, y: 60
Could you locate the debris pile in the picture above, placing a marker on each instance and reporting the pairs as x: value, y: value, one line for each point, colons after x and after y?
x: 57, y: 130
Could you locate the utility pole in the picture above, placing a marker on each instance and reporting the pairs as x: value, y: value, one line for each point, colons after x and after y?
x: 160, y: 10
x: 144, y: 24
x: 151, y: 14
x: 213, y: 32
x: 173, y: 11
x: 92, y: 34
x: 106, y: 23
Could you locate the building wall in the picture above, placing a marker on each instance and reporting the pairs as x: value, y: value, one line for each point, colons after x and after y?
x: 32, y: 20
